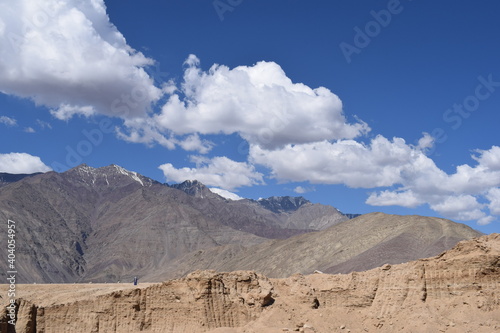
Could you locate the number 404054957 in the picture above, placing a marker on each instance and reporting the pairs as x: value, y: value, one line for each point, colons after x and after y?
x: 11, y: 243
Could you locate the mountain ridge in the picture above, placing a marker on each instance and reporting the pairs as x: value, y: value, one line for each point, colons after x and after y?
x: 195, y: 188
x: 110, y: 224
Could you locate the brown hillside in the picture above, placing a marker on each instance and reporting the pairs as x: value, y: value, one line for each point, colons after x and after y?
x: 365, y: 242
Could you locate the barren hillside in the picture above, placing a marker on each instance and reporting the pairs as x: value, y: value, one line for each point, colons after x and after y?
x: 362, y: 243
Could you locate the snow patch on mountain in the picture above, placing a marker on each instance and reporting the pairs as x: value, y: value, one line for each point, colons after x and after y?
x: 130, y: 174
x: 225, y: 194
x: 108, y: 175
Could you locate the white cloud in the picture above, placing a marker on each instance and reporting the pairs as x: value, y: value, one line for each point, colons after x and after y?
x: 194, y: 143
x: 302, y: 189
x: 43, y: 124
x: 2, y: 28
x: 29, y: 130
x: 486, y: 220
x: 225, y: 194
x: 143, y: 130
x: 65, y: 112
x: 21, y: 163
x: 426, y: 141
x: 413, y: 177
x: 259, y: 102
x: 220, y: 172
x: 489, y: 159
x: 493, y: 196
x: 8, y: 121
x: 348, y: 162
x: 392, y: 198
x: 460, y: 207
x: 67, y: 56
x: 457, y: 196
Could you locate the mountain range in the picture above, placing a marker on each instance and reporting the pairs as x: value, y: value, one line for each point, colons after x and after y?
x: 109, y: 224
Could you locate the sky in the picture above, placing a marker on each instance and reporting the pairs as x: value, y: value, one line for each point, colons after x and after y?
x: 367, y: 106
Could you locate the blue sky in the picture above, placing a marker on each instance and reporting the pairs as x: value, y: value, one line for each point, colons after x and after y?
x: 367, y: 106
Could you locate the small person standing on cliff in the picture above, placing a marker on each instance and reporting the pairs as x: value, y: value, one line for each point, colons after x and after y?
x: 135, y: 280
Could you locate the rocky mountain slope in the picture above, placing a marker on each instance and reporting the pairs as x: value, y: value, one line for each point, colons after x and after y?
x: 110, y: 224
x: 294, y: 213
x: 456, y: 291
x: 362, y: 243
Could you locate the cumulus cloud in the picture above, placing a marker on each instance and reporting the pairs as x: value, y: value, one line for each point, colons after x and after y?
x: 427, y: 179
x: 220, y: 172
x: 67, y: 56
x: 493, y: 195
x: 413, y: 178
x: 258, y: 102
x: 349, y: 162
x: 459, y: 207
x: 457, y: 196
x: 390, y: 198
x: 21, y: 163
x: 194, y: 143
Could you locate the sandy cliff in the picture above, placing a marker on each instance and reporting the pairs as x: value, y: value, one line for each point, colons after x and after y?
x: 457, y: 291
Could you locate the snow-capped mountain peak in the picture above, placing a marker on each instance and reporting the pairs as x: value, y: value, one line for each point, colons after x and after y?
x: 107, y: 176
